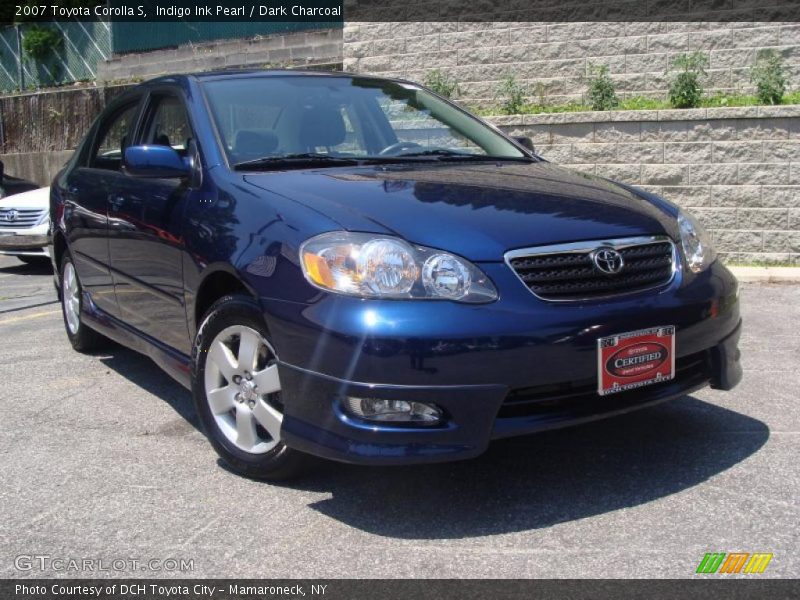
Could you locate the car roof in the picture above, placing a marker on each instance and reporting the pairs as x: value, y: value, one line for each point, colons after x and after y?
x: 184, y: 79
x: 253, y: 73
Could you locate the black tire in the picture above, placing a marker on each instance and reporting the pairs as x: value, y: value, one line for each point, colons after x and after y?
x: 280, y: 462
x: 84, y: 339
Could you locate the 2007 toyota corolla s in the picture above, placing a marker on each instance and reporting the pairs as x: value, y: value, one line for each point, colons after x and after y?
x: 357, y: 269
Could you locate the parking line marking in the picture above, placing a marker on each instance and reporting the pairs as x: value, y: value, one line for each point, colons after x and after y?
x: 28, y: 317
x: 19, y: 308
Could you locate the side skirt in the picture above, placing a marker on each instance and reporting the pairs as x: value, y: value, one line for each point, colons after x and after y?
x: 176, y: 364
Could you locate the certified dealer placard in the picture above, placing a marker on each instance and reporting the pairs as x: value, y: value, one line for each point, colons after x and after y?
x: 634, y: 359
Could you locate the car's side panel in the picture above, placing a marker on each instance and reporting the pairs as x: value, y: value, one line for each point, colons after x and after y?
x: 145, y: 248
x: 84, y: 188
x: 254, y: 233
x: 146, y: 242
x: 85, y: 224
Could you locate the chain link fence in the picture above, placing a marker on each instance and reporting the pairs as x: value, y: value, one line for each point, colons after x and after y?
x: 82, y: 46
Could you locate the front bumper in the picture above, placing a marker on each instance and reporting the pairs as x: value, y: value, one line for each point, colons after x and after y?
x: 29, y: 242
x: 516, y: 366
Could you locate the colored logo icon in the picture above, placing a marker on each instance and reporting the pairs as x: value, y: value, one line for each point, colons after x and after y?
x: 734, y: 562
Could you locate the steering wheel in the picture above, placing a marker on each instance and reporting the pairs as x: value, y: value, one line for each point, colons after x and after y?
x: 396, y: 148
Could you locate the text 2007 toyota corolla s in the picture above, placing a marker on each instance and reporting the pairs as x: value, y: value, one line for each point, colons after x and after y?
x: 355, y: 268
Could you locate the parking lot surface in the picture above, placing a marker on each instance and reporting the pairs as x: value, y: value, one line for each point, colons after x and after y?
x: 101, y: 459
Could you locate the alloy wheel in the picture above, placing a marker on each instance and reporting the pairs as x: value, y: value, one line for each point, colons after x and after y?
x: 243, y: 389
x: 72, y: 300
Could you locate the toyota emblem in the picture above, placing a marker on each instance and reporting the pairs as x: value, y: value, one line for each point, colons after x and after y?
x: 608, y: 261
x: 12, y: 215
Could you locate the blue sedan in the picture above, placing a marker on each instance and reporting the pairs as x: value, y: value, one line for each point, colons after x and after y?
x: 358, y: 269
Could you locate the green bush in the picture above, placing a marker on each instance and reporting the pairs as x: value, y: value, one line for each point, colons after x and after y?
x: 685, y: 90
x: 511, y: 95
x: 40, y: 43
x: 767, y: 74
x: 602, y: 95
x: 442, y: 84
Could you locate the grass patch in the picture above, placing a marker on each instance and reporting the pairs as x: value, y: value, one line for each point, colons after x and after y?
x: 763, y: 263
x: 639, y: 103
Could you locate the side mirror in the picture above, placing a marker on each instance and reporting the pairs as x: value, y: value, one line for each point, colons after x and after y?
x: 158, y: 162
x: 525, y: 142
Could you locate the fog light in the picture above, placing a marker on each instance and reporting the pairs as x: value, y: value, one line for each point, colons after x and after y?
x: 393, y: 411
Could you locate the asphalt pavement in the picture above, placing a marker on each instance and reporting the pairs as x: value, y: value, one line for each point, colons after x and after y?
x: 101, y: 460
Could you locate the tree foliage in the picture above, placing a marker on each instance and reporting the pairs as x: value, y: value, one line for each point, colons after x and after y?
x: 685, y: 90
x: 40, y: 43
x: 511, y: 95
x: 442, y: 84
x: 768, y: 76
x: 602, y: 95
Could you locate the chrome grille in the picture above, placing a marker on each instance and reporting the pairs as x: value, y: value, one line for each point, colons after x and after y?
x: 22, y: 217
x: 570, y: 272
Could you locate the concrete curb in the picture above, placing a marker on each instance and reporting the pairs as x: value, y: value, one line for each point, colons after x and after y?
x: 767, y: 274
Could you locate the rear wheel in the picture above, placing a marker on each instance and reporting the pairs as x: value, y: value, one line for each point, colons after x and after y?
x: 237, y: 391
x: 82, y: 338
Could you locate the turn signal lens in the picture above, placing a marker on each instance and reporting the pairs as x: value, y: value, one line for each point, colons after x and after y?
x: 317, y: 269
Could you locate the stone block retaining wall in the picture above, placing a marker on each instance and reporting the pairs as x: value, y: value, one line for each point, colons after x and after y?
x: 737, y: 169
x: 551, y: 59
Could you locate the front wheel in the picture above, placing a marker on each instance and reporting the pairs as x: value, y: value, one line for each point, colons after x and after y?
x: 237, y: 391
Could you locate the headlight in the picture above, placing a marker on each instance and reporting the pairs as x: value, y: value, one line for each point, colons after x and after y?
x: 697, y: 248
x: 373, y: 266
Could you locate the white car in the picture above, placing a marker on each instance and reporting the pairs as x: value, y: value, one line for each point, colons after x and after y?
x: 24, y: 221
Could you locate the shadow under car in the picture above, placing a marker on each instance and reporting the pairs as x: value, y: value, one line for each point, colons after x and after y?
x: 520, y: 483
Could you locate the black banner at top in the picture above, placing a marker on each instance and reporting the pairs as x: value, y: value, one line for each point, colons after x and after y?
x: 354, y: 11
x: 285, y: 11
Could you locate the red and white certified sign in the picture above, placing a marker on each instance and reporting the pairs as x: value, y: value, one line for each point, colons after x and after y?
x: 631, y: 360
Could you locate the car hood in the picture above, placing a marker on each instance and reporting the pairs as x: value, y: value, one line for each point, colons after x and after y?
x: 479, y: 210
x: 39, y: 198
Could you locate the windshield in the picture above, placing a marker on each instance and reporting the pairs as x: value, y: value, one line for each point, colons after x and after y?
x: 329, y: 118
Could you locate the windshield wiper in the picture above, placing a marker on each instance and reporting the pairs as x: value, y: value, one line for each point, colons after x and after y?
x: 444, y: 154
x: 299, y: 159
x: 316, y: 158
